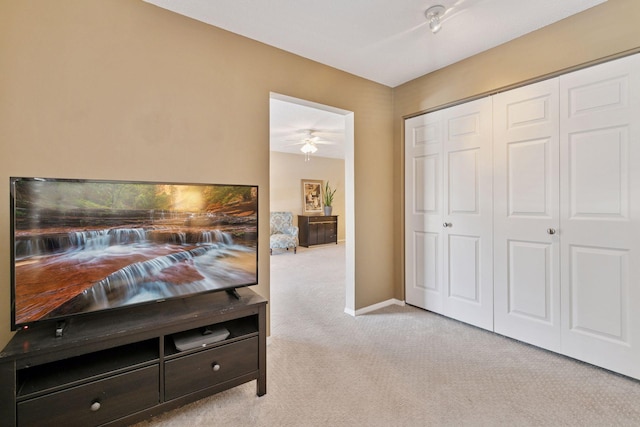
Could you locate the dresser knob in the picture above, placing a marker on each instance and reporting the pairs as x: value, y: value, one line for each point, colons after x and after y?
x: 215, y: 367
x: 551, y: 231
x: 95, y: 406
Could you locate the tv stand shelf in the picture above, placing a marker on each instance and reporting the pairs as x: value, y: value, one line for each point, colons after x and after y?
x: 120, y: 367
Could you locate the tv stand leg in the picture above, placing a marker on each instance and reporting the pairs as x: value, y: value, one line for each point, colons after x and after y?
x: 233, y: 293
x: 60, y: 327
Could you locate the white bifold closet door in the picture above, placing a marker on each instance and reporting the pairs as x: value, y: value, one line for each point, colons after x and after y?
x: 448, y: 212
x: 423, y: 212
x: 600, y: 214
x: 562, y: 214
x: 527, y: 214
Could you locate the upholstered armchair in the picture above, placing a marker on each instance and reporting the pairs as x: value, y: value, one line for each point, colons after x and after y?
x: 284, y: 234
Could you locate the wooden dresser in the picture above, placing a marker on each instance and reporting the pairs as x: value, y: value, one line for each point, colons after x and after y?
x: 317, y: 230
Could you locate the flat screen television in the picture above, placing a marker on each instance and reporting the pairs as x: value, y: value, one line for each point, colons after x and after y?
x: 84, y: 246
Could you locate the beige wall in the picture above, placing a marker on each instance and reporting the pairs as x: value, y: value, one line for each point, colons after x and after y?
x: 121, y: 89
x: 286, y: 173
x: 600, y: 32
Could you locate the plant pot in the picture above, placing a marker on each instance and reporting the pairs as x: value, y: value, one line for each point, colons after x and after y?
x: 328, y: 210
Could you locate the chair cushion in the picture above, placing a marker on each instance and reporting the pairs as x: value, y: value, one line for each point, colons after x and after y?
x: 282, y: 241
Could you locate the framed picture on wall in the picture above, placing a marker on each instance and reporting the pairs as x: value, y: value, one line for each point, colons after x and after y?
x: 311, y: 196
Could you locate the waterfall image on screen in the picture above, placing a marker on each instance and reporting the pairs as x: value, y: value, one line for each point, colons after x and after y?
x: 81, y: 246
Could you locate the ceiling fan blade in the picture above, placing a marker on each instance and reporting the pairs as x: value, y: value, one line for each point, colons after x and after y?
x: 319, y: 133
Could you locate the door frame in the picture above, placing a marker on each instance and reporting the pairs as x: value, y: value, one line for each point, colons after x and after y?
x: 349, y: 180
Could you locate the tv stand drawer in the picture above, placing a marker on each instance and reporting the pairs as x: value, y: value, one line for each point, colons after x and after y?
x: 94, y: 403
x: 208, y: 368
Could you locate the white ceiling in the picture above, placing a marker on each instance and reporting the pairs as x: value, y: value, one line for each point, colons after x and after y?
x: 290, y: 121
x: 387, y: 41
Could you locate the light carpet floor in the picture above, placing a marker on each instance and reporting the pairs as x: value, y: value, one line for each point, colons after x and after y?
x: 401, y: 366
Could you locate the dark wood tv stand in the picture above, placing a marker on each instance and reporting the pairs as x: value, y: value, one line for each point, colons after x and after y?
x: 121, y: 366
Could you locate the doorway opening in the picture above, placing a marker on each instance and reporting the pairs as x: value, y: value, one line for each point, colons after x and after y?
x: 332, y: 129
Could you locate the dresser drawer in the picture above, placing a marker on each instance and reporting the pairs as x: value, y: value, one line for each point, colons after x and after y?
x: 207, y: 368
x: 323, y: 220
x: 94, y: 403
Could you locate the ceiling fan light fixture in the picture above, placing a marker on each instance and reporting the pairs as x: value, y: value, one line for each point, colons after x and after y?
x: 434, y: 15
x: 308, y: 149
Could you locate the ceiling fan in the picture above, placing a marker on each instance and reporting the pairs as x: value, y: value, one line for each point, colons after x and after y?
x: 309, y: 142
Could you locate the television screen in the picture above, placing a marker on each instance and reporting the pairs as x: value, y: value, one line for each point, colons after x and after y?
x: 81, y: 246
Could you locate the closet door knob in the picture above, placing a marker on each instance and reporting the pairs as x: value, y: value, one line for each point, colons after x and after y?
x: 551, y: 231
x: 447, y: 224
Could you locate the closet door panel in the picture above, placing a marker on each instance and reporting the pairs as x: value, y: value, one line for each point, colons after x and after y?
x: 529, y: 281
x: 463, y: 268
x: 599, y: 178
x: 527, y: 171
x: 463, y: 182
x: 426, y: 249
x: 600, y: 187
x: 423, y: 212
x: 526, y: 187
x: 468, y: 211
x: 599, y: 291
x: 427, y: 180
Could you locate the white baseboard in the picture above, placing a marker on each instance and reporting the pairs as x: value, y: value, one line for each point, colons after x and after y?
x: 374, y: 307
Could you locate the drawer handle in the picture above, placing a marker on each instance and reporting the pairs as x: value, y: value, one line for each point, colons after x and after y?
x: 215, y: 367
x: 95, y: 406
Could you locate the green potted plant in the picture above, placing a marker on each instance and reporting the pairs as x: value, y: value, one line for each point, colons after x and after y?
x: 327, y: 195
